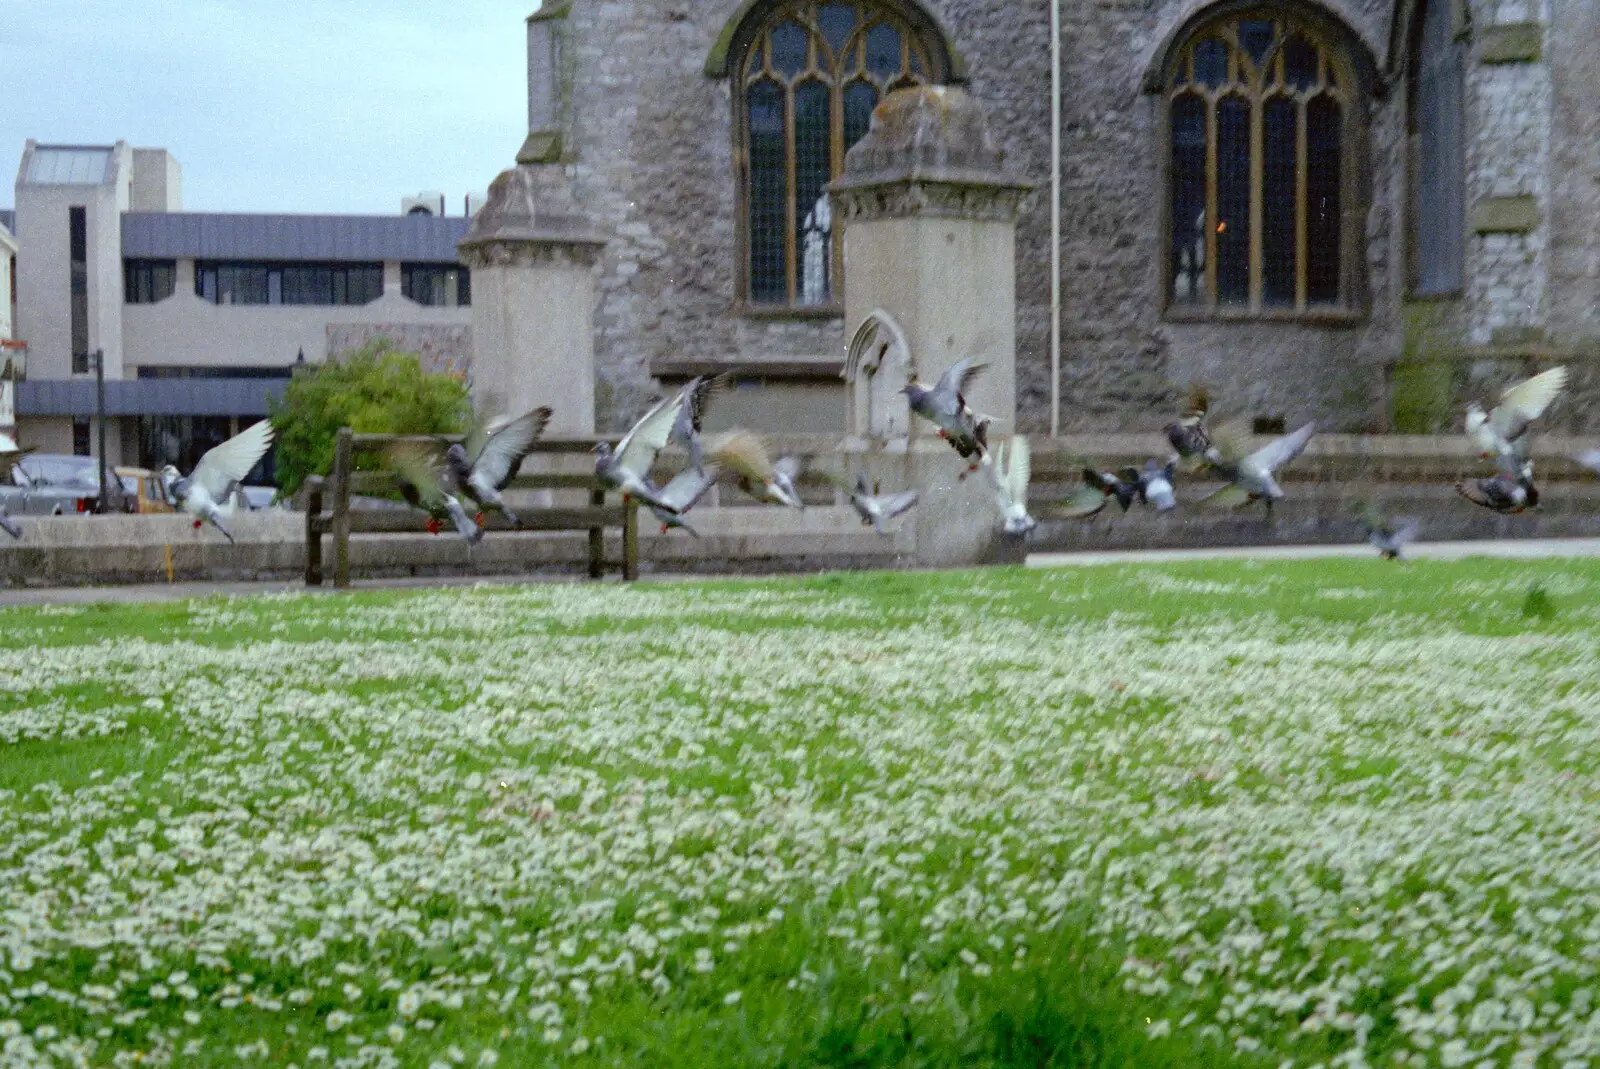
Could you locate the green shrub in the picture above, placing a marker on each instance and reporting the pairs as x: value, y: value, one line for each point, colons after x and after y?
x: 374, y: 390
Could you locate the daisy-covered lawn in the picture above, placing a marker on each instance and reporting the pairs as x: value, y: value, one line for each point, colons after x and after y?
x: 1331, y: 812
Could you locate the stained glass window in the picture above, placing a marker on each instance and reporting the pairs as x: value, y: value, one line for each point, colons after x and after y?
x: 810, y: 77
x: 1260, y: 142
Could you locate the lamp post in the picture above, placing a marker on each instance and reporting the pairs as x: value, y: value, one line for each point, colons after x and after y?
x: 97, y: 360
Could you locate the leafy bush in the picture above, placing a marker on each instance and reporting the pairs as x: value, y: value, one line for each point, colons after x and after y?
x: 373, y: 390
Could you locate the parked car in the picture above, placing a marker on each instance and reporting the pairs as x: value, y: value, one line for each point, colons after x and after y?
x: 52, y: 484
x: 142, y: 491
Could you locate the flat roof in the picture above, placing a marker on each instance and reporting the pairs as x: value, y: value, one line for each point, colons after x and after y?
x: 242, y: 236
x: 69, y: 165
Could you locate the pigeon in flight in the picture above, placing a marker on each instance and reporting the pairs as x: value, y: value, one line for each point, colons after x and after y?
x: 945, y: 406
x: 1189, y: 436
x: 8, y: 525
x: 626, y: 467
x: 1100, y: 487
x: 683, y: 492
x: 742, y: 452
x: 1504, y: 429
x: 1154, y: 482
x: 207, y: 493
x: 10, y: 455
x: 686, y: 426
x: 1387, y: 536
x: 489, y: 460
x: 1010, y: 465
x: 421, y: 477
x: 875, y: 509
x: 1250, y: 477
x: 1510, y: 490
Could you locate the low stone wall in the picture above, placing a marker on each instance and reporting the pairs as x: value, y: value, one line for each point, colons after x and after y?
x: 1404, y: 476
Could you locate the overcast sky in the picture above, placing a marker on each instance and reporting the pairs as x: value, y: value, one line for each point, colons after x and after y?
x: 279, y: 106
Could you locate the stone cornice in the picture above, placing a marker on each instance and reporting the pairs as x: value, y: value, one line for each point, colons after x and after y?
x: 991, y: 200
x: 552, y: 250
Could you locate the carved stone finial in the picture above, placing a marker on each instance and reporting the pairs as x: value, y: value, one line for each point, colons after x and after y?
x: 929, y: 151
x: 513, y: 216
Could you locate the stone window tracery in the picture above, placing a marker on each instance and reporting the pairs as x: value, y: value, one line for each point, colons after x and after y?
x: 1263, y: 140
x: 807, y: 82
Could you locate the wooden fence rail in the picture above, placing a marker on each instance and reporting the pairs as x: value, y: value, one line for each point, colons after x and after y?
x: 343, y: 519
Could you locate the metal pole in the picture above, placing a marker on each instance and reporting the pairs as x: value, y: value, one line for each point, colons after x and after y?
x: 100, y: 417
x: 1055, y: 218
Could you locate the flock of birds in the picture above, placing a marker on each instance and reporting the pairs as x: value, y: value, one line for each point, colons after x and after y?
x: 441, y: 479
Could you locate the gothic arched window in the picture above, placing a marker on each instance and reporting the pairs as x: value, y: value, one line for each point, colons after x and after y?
x: 804, y: 89
x: 1264, y: 135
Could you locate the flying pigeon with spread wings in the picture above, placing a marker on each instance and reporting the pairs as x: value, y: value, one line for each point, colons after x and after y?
x: 490, y: 459
x: 1504, y: 429
x: 1099, y: 488
x: 877, y: 509
x: 945, y: 406
x: 626, y: 466
x: 1388, y: 536
x: 683, y: 491
x: 773, y: 482
x: 1251, y: 477
x: 422, y: 477
x: 207, y: 492
x: 1010, y: 465
x: 1510, y: 490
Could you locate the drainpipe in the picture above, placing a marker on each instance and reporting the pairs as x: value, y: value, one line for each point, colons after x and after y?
x: 1055, y: 218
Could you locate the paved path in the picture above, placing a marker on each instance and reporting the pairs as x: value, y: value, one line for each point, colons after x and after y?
x: 1519, y: 548
x: 1524, y: 549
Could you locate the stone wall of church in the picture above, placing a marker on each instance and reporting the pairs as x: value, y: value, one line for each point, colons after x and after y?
x: 650, y: 159
x: 1572, y: 44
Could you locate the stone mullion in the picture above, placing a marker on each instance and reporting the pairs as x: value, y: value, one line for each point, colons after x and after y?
x: 789, y: 249
x: 1302, y: 167
x: 1210, y: 97
x: 1258, y: 153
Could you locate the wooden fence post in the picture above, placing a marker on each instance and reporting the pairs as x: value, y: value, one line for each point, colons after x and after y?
x: 597, y: 537
x: 314, y: 487
x: 343, y: 466
x: 630, y: 540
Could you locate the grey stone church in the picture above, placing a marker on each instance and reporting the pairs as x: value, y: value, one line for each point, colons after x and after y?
x: 1349, y: 210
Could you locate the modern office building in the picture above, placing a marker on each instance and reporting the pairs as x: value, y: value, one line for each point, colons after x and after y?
x: 199, y: 317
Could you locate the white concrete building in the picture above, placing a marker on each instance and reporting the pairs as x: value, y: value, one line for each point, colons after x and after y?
x: 200, y: 317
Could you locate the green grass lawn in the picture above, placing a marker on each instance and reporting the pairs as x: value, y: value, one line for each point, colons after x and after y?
x: 1314, y: 813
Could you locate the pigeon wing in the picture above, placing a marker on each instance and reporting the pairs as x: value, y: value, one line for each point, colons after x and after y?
x: 1280, y: 451
x: 688, y: 487
x: 1405, y: 530
x: 1018, y: 470
x: 9, y: 458
x: 226, y: 465
x: 1473, y: 492
x: 1526, y: 402
x: 1085, y: 503
x: 892, y: 505
x: 498, y: 459
x: 742, y: 453
x: 638, y: 448
x: 1230, y: 496
x: 1231, y: 441
x: 787, y: 467
x: 959, y: 376
x: 417, y: 469
x: 1589, y: 458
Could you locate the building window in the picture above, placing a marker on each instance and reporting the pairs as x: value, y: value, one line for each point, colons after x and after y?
x: 232, y: 282
x: 78, y: 285
x: 81, y: 446
x: 436, y: 285
x: 807, y: 82
x: 1262, y: 160
x: 148, y: 281
x: 1439, y: 171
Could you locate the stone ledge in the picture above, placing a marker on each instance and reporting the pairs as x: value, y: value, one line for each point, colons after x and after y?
x: 800, y: 367
x: 1506, y: 215
x: 1511, y: 42
x: 540, y: 148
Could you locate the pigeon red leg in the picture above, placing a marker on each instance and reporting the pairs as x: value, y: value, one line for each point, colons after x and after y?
x: 432, y: 525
